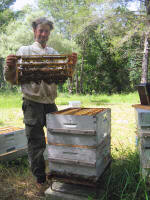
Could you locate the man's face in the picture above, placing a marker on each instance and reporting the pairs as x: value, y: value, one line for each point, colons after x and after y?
x: 41, y: 34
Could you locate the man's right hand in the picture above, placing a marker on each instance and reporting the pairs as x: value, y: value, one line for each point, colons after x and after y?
x: 11, y: 61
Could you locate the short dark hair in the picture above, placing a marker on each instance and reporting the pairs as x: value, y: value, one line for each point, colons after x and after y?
x: 42, y: 20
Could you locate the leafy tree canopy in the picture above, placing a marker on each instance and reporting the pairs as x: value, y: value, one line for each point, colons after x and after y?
x: 4, y: 4
x: 6, y: 15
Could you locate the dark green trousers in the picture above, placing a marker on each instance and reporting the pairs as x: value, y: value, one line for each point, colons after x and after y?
x: 35, y: 120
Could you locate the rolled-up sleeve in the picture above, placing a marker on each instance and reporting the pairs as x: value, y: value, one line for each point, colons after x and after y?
x: 9, y: 74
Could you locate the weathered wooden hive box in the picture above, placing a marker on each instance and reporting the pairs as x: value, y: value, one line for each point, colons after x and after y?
x: 12, y: 138
x: 142, y: 114
x: 79, y: 142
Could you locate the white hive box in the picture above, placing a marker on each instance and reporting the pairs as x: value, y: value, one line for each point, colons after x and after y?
x: 74, y: 104
x: 142, y: 114
x: 79, y: 142
x: 12, y: 139
x: 144, y: 152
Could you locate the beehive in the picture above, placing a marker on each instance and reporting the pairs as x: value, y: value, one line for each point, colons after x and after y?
x: 12, y: 138
x: 142, y: 114
x: 79, y: 142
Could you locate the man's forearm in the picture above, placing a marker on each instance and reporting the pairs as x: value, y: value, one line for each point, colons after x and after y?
x: 10, y: 74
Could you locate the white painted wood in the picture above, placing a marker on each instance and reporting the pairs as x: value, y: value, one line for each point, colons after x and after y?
x: 71, y: 139
x: 142, y: 118
x: 143, y: 136
x: 11, y: 141
x: 72, y: 151
x: 83, y: 171
x: 12, y: 155
x: 55, y: 121
x: 103, y: 125
x: 20, y: 138
x: 144, y: 153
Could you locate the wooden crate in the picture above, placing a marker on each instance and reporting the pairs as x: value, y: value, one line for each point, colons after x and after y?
x: 11, y: 139
x: 79, y: 142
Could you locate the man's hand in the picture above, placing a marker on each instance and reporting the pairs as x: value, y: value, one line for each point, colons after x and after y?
x: 11, y: 61
x: 74, y: 56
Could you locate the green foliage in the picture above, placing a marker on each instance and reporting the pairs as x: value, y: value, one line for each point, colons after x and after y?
x: 106, y: 36
x: 104, y: 71
x: 5, y: 16
x: 61, y: 44
x: 111, y: 48
x: 69, y: 15
x: 6, y: 4
x: 15, y: 35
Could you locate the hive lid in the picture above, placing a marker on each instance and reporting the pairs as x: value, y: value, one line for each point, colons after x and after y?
x: 145, y: 107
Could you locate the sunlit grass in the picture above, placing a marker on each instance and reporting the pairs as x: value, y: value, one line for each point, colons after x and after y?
x: 14, y: 100
x: 96, y: 100
x: 10, y: 100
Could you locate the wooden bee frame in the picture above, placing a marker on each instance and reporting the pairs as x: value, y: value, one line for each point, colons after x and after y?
x: 49, y: 68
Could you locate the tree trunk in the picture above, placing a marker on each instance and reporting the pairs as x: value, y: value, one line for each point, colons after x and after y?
x: 144, y: 75
x: 81, y: 74
x: 70, y: 85
x: 77, y: 83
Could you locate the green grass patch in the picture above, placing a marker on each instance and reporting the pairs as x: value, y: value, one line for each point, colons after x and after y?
x: 10, y: 100
x: 14, y: 99
x: 97, y: 100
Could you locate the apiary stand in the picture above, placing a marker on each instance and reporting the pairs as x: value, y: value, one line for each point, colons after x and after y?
x: 78, y: 146
x: 76, y: 192
x: 142, y: 115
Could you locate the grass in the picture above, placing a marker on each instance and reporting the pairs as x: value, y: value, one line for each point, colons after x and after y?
x: 10, y: 104
x: 98, y: 100
x: 122, y: 180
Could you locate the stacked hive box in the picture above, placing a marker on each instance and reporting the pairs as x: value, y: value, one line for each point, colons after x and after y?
x: 12, y: 139
x: 79, y: 142
x: 143, y: 136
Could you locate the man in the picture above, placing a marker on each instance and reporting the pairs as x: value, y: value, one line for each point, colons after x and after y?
x: 38, y: 98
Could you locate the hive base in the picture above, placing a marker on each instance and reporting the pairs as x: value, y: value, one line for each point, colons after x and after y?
x: 63, y: 191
